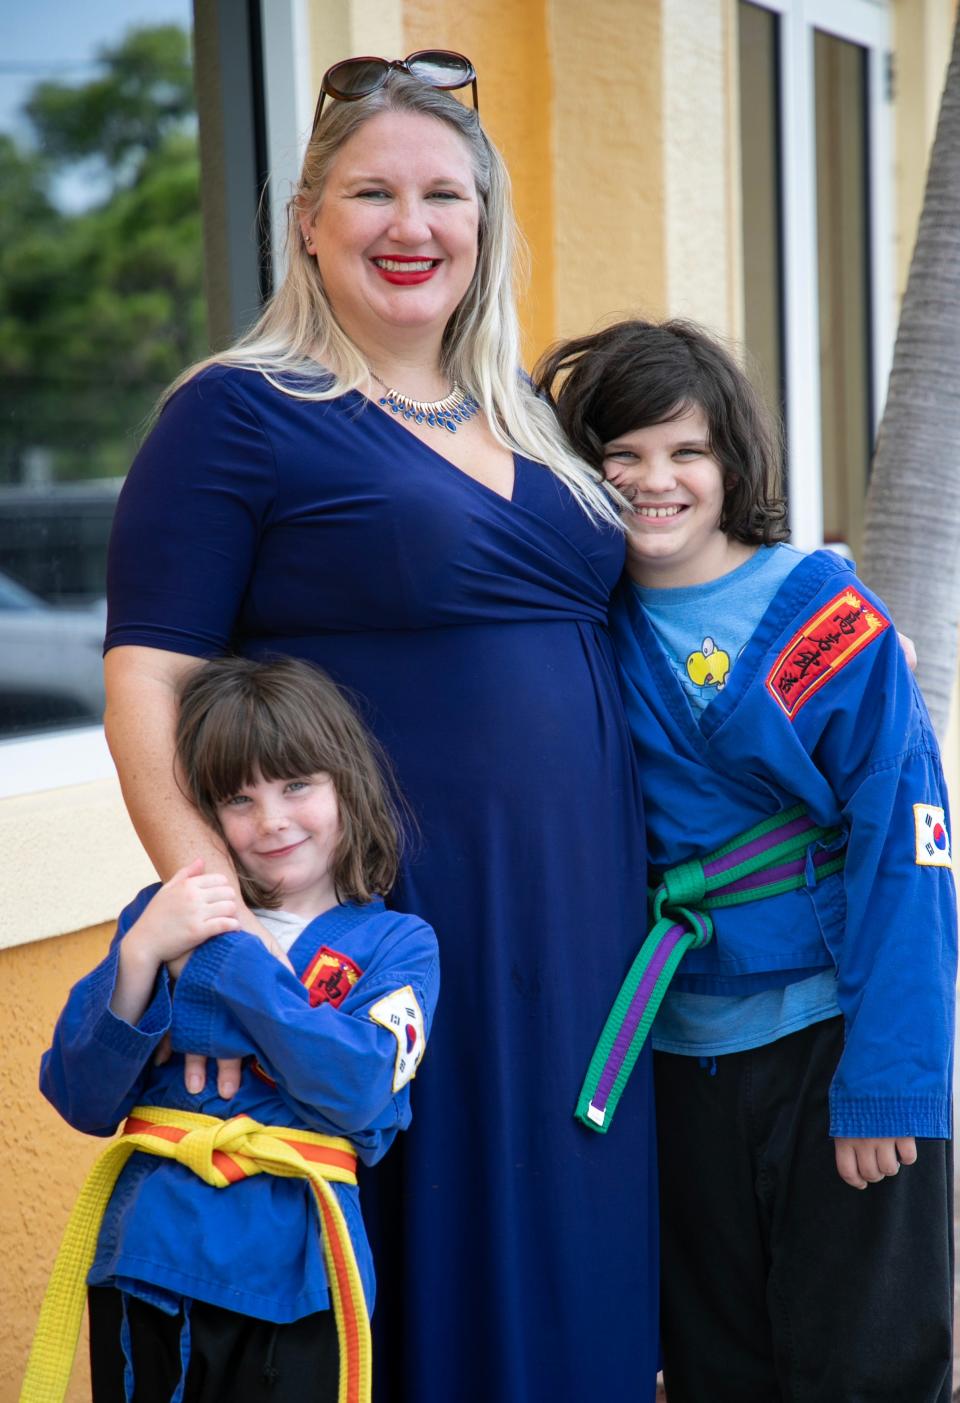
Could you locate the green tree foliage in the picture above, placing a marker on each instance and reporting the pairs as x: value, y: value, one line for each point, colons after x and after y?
x: 100, y: 309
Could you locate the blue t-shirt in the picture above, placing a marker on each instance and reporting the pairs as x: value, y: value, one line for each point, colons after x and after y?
x: 703, y: 629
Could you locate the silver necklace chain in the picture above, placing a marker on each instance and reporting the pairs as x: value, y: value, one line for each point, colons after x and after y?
x: 447, y: 413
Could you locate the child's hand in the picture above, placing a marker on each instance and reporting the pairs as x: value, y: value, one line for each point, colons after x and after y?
x: 185, y: 912
x: 863, y: 1162
x: 188, y: 910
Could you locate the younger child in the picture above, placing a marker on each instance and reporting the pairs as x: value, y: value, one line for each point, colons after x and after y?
x: 796, y: 815
x: 206, y: 1284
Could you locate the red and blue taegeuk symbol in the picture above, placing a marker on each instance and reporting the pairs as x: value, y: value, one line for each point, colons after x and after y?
x: 411, y: 1033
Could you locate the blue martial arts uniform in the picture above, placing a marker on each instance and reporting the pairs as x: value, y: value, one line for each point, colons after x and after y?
x: 820, y: 708
x: 315, y: 1060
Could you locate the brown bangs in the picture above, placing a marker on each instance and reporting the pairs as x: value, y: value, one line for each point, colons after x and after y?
x: 241, y: 720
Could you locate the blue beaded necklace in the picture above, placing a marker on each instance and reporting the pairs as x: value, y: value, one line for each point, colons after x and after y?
x: 447, y: 413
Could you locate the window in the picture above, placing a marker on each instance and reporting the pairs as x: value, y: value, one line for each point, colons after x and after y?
x: 816, y: 189
x: 101, y: 304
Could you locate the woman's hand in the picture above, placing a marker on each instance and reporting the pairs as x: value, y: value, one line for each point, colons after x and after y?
x: 228, y: 1068
x: 909, y: 650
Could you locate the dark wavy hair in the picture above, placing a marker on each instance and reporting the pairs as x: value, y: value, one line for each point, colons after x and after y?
x: 639, y: 373
x: 285, y: 719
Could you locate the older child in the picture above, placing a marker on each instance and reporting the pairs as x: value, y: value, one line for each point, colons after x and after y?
x: 261, y: 1290
x: 796, y: 811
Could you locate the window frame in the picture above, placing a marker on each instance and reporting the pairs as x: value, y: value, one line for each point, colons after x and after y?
x: 867, y: 23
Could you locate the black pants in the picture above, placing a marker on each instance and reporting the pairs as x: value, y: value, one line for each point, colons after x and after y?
x: 233, y: 1358
x: 779, y: 1281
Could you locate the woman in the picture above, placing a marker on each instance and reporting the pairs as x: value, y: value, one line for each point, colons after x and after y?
x: 289, y: 501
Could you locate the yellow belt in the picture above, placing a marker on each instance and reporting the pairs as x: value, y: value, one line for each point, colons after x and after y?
x: 221, y: 1152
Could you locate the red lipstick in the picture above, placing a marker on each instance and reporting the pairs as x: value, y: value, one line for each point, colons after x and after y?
x: 405, y: 277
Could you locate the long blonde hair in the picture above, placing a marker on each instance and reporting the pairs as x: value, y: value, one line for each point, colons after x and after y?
x: 300, y: 347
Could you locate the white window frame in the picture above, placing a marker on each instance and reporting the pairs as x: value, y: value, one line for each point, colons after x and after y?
x: 288, y: 85
x: 868, y: 24
x: 43, y: 761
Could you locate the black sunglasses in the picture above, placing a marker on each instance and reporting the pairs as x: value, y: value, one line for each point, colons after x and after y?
x: 354, y: 78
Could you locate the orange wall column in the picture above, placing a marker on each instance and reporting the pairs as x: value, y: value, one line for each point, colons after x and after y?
x: 507, y: 44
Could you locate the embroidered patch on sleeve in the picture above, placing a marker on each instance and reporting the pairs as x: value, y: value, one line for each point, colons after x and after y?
x: 329, y: 977
x: 933, y: 840
x: 400, y: 1014
x: 818, y: 651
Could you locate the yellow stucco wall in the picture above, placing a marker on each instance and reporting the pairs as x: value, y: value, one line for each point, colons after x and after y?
x: 42, y: 1161
x: 609, y: 174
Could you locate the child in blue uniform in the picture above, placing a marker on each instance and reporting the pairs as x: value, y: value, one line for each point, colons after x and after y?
x: 797, y: 816
x: 204, y: 1292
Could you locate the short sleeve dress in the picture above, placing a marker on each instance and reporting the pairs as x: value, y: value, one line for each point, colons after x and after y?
x: 515, y: 1250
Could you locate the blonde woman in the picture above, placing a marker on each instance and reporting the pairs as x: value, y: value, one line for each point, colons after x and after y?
x: 367, y: 481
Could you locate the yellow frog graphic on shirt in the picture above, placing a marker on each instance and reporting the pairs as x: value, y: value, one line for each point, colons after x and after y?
x: 709, y: 665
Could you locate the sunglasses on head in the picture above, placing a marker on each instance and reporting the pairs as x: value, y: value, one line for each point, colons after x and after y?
x: 359, y: 77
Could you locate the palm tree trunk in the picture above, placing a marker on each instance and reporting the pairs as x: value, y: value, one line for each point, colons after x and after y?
x: 912, y: 542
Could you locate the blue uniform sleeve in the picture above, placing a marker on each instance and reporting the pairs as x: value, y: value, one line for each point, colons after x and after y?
x: 188, y: 522
x: 97, y: 1065
x: 896, y: 952
x: 334, y: 1065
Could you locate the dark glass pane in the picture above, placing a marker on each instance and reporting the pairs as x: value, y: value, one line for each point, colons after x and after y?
x: 760, y: 191
x: 843, y: 251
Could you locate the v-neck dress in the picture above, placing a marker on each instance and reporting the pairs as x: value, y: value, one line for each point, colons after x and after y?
x: 515, y: 1251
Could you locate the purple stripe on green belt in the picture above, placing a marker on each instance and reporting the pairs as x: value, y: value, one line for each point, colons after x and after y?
x: 621, y: 1043
x: 771, y: 858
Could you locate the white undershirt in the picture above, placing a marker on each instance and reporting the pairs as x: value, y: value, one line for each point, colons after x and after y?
x: 284, y: 926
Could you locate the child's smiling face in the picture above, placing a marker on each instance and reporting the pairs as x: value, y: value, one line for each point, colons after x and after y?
x: 285, y: 832
x: 676, y: 489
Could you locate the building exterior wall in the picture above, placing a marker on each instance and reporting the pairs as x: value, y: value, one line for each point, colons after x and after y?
x: 42, y: 1161
x: 507, y: 45
x: 618, y: 121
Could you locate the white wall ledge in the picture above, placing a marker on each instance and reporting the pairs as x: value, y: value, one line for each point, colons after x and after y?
x: 70, y: 860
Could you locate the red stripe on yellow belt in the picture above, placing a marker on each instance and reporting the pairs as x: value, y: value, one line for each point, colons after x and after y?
x: 221, y: 1152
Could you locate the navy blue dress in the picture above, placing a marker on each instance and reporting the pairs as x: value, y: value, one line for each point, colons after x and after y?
x: 515, y: 1250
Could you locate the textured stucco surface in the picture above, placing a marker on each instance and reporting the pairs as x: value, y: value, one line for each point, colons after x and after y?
x: 608, y: 142
x: 42, y: 1161
x: 70, y: 860
x: 699, y: 169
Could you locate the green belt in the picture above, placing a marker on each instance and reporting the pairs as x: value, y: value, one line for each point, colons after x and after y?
x: 765, y: 861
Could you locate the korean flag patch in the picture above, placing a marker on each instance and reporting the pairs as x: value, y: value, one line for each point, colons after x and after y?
x: 933, y: 840
x: 400, y: 1014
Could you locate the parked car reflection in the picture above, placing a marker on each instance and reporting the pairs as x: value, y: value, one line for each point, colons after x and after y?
x: 51, y: 673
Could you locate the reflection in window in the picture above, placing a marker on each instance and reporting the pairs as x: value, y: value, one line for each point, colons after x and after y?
x: 100, y: 307
x: 760, y: 191
x: 843, y: 252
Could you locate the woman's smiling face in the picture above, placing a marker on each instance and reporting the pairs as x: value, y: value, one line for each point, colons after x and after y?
x: 396, y: 232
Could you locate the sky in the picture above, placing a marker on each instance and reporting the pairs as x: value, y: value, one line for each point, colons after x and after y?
x: 59, y: 40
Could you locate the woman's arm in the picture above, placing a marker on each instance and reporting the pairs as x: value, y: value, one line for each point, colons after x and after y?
x: 140, y: 722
